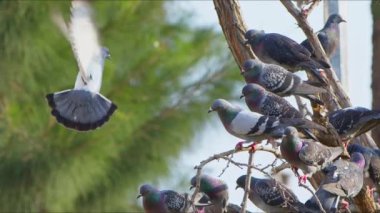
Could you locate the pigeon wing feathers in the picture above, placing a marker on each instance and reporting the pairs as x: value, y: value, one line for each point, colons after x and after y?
x: 314, y: 153
x: 84, y: 39
x: 174, y: 201
x: 268, y: 192
x: 275, y: 42
x: 245, y: 121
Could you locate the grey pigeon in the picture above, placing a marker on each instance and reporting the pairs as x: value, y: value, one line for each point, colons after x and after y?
x: 217, y: 192
x: 345, y: 178
x: 252, y: 126
x: 353, y: 121
x: 372, y: 160
x: 233, y: 208
x: 83, y: 108
x: 278, y: 80
x: 309, y: 156
x: 166, y: 201
x: 270, y: 195
x: 342, y: 179
x: 264, y: 102
x: 328, y: 35
x: 278, y: 49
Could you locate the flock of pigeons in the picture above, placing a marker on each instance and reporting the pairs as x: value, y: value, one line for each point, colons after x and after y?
x: 270, y: 117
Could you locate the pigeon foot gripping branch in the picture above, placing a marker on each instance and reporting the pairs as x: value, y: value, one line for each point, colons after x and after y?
x: 83, y: 108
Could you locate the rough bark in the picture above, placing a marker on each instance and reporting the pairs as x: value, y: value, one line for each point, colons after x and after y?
x: 375, y: 7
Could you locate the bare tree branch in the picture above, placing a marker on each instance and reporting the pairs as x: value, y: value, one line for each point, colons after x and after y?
x: 247, y: 184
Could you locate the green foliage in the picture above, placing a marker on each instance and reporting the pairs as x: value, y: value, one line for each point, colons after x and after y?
x: 157, y: 76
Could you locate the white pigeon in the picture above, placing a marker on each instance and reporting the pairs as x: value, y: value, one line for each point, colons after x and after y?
x: 83, y: 108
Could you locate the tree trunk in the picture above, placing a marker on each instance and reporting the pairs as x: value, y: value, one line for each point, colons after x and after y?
x: 375, y: 7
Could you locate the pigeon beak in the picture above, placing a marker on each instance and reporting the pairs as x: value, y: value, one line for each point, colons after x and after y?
x: 343, y: 21
x: 191, y: 187
x: 242, y: 96
x: 210, y: 110
x: 237, y: 187
x: 138, y: 196
x: 108, y: 56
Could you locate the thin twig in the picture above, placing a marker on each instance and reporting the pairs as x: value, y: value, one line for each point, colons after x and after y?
x: 281, y: 167
x: 315, y: 196
x: 247, y: 184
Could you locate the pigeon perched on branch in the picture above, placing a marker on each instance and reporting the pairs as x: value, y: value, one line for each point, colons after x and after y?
x: 270, y: 195
x: 217, y: 192
x: 372, y: 160
x: 328, y: 35
x: 83, y: 108
x: 278, y: 80
x: 351, y: 122
x: 278, y: 49
x: 167, y: 201
x: 309, y: 156
x: 252, y: 126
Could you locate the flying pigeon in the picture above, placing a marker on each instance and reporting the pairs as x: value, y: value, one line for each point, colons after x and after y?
x: 83, y: 108
x: 372, y: 160
x: 328, y: 35
x: 217, y: 192
x: 309, y: 156
x: 270, y: 195
x: 278, y: 49
x: 252, y: 126
x: 353, y: 121
x: 278, y: 80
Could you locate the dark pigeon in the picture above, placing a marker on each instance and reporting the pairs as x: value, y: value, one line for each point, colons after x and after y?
x: 353, y: 121
x: 278, y: 49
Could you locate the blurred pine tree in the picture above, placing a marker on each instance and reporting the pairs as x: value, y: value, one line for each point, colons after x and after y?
x: 157, y: 76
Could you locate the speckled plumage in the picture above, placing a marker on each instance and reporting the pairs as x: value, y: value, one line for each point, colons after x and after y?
x: 278, y: 80
x: 328, y: 35
x: 309, y: 156
x: 353, y: 121
x: 166, y: 201
x: 252, y: 126
x: 278, y: 49
x: 267, y: 103
x: 216, y: 190
x: 270, y: 195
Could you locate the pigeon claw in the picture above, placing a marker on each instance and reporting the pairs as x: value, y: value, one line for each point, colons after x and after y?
x: 345, y: 204
x: 252, y: 147
x: 370, y: 191
x: 302, y: 179
x: 239, y: 146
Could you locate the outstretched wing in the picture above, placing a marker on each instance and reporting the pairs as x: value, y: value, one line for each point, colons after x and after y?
x: 84, y: 39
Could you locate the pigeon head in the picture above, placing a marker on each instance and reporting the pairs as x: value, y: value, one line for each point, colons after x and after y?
x: 254, y: 92
x: 106, y: 53
x: 251, y: 69
x: 252, y: 35
x: 209, y: 185
x: 219, y: 105
x: 145, y: 190
x: 333, y: 21
x: 291, y: 131
x: 358, y: 158
x: 241, y: 181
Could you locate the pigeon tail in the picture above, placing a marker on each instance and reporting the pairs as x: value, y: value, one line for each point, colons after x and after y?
x: 302, y: 123
x: 313, y: 68
x: 81, y: 110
